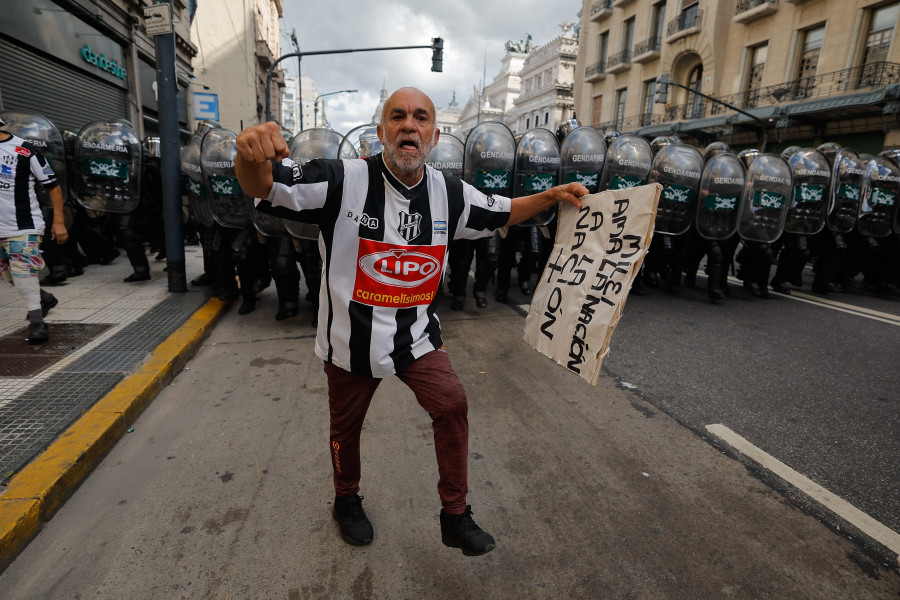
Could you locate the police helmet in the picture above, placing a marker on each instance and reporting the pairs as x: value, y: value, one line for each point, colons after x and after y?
x: 715, y: 148
x: 788, y: 152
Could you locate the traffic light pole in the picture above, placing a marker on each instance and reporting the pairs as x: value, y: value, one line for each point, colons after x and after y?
x: 437, y: 60
x: 665, y: 82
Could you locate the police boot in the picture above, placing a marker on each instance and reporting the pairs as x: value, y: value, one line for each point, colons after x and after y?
x: 714, y: 268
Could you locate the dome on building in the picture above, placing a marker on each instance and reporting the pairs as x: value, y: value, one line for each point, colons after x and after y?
x: 376, y: 118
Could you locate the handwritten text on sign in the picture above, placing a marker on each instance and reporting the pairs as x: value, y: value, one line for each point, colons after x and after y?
x: 582, y: 291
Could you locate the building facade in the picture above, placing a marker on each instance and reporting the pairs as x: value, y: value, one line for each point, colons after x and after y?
x: 78, y: 61
x: 238, y: 42
x: 547, y: 96
x: 789, y: 72
x: 495, y: 101
x: 447, y: 119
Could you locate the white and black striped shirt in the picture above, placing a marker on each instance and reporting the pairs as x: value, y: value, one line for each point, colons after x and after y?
x: 384, y: 252
x: 20, y: 167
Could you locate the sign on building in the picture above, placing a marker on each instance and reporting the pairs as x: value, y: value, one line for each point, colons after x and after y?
x: 158, y: 19
x: 205, y: 106
x: 580, y: 296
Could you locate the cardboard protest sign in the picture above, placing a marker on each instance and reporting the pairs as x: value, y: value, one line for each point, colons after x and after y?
x: 598, y: 252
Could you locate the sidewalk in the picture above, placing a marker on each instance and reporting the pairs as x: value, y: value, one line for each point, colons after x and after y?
x: 112, y: 346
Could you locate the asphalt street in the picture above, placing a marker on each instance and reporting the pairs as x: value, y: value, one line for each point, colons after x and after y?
x: 223, y: 490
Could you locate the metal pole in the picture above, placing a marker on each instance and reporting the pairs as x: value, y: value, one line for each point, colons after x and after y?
x: 170, y: 149
x: 762, y: 124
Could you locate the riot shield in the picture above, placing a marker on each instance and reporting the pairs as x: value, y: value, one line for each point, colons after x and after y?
x: 764, y: 203
x: 677, y: 167
x: 107, y: 167
x: 848, y: 176
x: 447, y: 155
x: 582, y: 155
x: 718, y: 207
x: 536, y: 170
x: 489, y: 158
x: 747, y: 156
x: 230, y: 206
x: 627, y: 164
x: 198, y: 198
x: 49, y: 142
x: 304, y: 147
x: 362, y: 140
x: 878, y: 205
x: 811, y: 173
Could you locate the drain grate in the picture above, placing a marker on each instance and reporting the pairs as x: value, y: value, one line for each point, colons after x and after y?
x: 18, y: 358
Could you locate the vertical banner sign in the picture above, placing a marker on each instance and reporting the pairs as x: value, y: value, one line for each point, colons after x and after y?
x: 580, y: 296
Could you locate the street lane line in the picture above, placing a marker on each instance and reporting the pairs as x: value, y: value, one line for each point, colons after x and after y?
x: 867, y: 313
x: 836, y: 504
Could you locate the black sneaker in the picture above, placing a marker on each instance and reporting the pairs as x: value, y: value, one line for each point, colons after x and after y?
x: 38, y: 333
x: 460, y: 531
x: 355, y: 526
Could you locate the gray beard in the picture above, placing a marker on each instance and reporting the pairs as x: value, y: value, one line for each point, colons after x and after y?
x: 405, y: 164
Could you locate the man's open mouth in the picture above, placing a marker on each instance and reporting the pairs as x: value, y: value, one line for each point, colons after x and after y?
x: 408, y: 145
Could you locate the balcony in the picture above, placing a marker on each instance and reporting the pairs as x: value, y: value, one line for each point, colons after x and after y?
x: 795, y: 1
x: 683, y: 25
x: 619, y: 62
x: 601, y: 9
x: 635, y: 122
x: 264, y: 54
x: 595, y: 72
x: 647, y: 50
x: 618, y: 3
x: 748, y: 11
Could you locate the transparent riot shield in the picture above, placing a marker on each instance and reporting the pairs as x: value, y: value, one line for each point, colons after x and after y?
x: 747, y: 156
x: 489, y: 158
x: 811, y: 174
x: 198, y: 198
x: 627, y: 164
x: 363, y: 140
x: 536, y: 170
x: 878, y: 206
x: 677, y: 167
x: 582, y: 155
x: 47, y: 139
x: 721, y: 187
x: 764, y: 203
x: 304, y: 147
x: 848, y: 176
x: 107, y: 167
x: 230, y: 206
x: 447, y: 155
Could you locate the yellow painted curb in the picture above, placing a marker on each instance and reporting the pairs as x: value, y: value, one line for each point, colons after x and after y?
x: 38, y: 490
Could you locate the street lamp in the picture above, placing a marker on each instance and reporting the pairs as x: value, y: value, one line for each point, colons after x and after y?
x: 316, y: 104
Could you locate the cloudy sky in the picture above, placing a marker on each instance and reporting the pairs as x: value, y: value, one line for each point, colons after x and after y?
x: 471, y: 29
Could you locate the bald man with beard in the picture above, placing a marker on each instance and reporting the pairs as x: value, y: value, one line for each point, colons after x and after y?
x: 385, y: 226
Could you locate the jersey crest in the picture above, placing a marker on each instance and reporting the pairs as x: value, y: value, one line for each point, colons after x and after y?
x: 410, y: 225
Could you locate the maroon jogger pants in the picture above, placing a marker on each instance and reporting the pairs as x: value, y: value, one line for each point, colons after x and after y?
x: 438, y: 391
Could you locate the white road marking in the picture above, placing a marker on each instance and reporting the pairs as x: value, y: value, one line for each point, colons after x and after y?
x: 836, y: 504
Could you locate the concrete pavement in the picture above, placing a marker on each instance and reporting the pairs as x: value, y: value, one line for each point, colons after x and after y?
x: 223, y: 490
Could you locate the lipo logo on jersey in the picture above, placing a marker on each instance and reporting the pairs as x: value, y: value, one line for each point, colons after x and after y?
x: 397, y: 276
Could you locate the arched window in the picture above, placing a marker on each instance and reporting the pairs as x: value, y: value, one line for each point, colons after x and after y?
x: 695, y: 102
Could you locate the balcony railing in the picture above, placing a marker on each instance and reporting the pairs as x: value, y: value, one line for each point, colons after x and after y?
x: 684, y: 22
x: 751, y: 10
x: 601, y: 9
x: 595, y: 71
x: 865, y: 77
x: 647, y: 49
x: 618, y: 62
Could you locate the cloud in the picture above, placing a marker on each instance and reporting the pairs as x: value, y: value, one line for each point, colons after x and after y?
x: 471, y: 29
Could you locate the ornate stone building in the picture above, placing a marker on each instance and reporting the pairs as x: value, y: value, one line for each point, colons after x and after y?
x: 795, y: 72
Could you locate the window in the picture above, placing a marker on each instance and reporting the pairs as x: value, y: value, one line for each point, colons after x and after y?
x: 627, y: 35
x: 595, y: 111
x: 546, y: 118
x: 657, y: 18
x: 695, y: 103
x: 755, y: 72
x: 882, y: 23
x: 603, y: 48
x: 619, y: 117
x: 527, y: 123
x: 809, y: 60
x: 647, y: 96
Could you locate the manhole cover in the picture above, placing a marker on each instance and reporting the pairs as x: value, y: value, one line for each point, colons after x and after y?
x: 18, y: 358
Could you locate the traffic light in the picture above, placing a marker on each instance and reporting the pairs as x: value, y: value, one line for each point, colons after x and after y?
x: 662, y: 89
x: 437, y: 55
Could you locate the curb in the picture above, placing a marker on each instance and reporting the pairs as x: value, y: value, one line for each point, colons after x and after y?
x: 39, y: 490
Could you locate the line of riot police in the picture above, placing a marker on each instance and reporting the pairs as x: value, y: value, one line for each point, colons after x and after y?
x: 827, y: 204
x: 111, y: 186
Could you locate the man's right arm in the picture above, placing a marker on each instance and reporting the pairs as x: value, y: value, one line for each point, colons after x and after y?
x: 257, y: 146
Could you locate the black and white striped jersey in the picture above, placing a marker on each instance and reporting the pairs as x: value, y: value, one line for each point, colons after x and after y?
x: 21, y: 165
x: 384, y: 252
